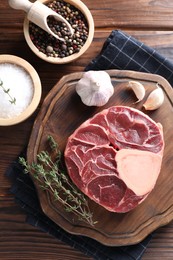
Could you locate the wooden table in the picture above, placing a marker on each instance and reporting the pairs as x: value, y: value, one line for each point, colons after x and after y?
x: 148, y: 21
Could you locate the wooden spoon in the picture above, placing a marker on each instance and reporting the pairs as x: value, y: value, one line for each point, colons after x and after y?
x: 38, y: 14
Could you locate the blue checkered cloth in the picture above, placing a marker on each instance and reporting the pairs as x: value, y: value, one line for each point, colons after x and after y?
x: 120, y: 51
x: 124, y: 52
x: 26, y: 197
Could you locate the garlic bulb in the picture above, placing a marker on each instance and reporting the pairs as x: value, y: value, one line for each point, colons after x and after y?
x: 138, y: 89
x: 155, y: 99
x: 95, y: 88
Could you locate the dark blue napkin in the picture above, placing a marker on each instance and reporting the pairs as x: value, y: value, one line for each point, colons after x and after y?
x: 26, y: 197
x: 120, y: 51
x: 124, y: 52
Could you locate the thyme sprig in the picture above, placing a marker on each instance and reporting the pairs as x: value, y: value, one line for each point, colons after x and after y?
x: 52, y: 176
x: 7, y: 91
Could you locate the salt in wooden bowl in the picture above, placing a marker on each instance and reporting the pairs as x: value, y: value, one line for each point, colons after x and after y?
x: 20, y: 90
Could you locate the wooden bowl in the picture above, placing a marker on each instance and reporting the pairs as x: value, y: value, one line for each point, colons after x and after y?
x: 57, y: 60
x: 36, y: 85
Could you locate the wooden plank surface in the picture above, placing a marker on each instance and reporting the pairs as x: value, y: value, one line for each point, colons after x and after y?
x: 150, y: 22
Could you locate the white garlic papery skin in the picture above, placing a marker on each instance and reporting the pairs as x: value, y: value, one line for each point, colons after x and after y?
x: 138, y: 89
x: 95, y: 88
x: 154, y: 100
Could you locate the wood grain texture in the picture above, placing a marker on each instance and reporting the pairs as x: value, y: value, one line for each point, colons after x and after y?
x: 62, y: 112
x: 149, y: 21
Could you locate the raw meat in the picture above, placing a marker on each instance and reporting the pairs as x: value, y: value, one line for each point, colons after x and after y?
x: 115, y: 157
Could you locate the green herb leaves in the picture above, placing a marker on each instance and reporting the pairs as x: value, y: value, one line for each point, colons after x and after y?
x: 52, y: 176
x: 11, y: 100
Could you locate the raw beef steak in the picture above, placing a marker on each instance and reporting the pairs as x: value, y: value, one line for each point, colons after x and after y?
x: 115, y: 157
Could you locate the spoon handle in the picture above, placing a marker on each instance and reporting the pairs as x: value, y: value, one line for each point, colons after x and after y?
x: 37, y: 13
x: 24, y: 5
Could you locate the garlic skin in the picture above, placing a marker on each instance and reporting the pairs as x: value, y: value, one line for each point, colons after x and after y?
x: 138, y: 90
x: 154, y: 100
x: 95, y: 88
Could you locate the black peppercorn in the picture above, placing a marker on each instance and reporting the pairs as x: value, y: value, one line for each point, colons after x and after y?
x: 48, y: 44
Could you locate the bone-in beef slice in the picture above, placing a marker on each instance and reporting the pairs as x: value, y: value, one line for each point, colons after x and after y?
x: 115, y: 157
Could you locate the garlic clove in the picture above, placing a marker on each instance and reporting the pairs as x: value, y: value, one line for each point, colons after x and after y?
x: 154, y: 100
x: 99, y: 99
x: 138, y: 90
x: 95, y: 88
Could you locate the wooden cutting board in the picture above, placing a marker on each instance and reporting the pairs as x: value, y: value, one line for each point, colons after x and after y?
x: 61, y: 113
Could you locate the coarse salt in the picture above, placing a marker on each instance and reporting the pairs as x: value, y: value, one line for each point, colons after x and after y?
x: 20, y: 86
